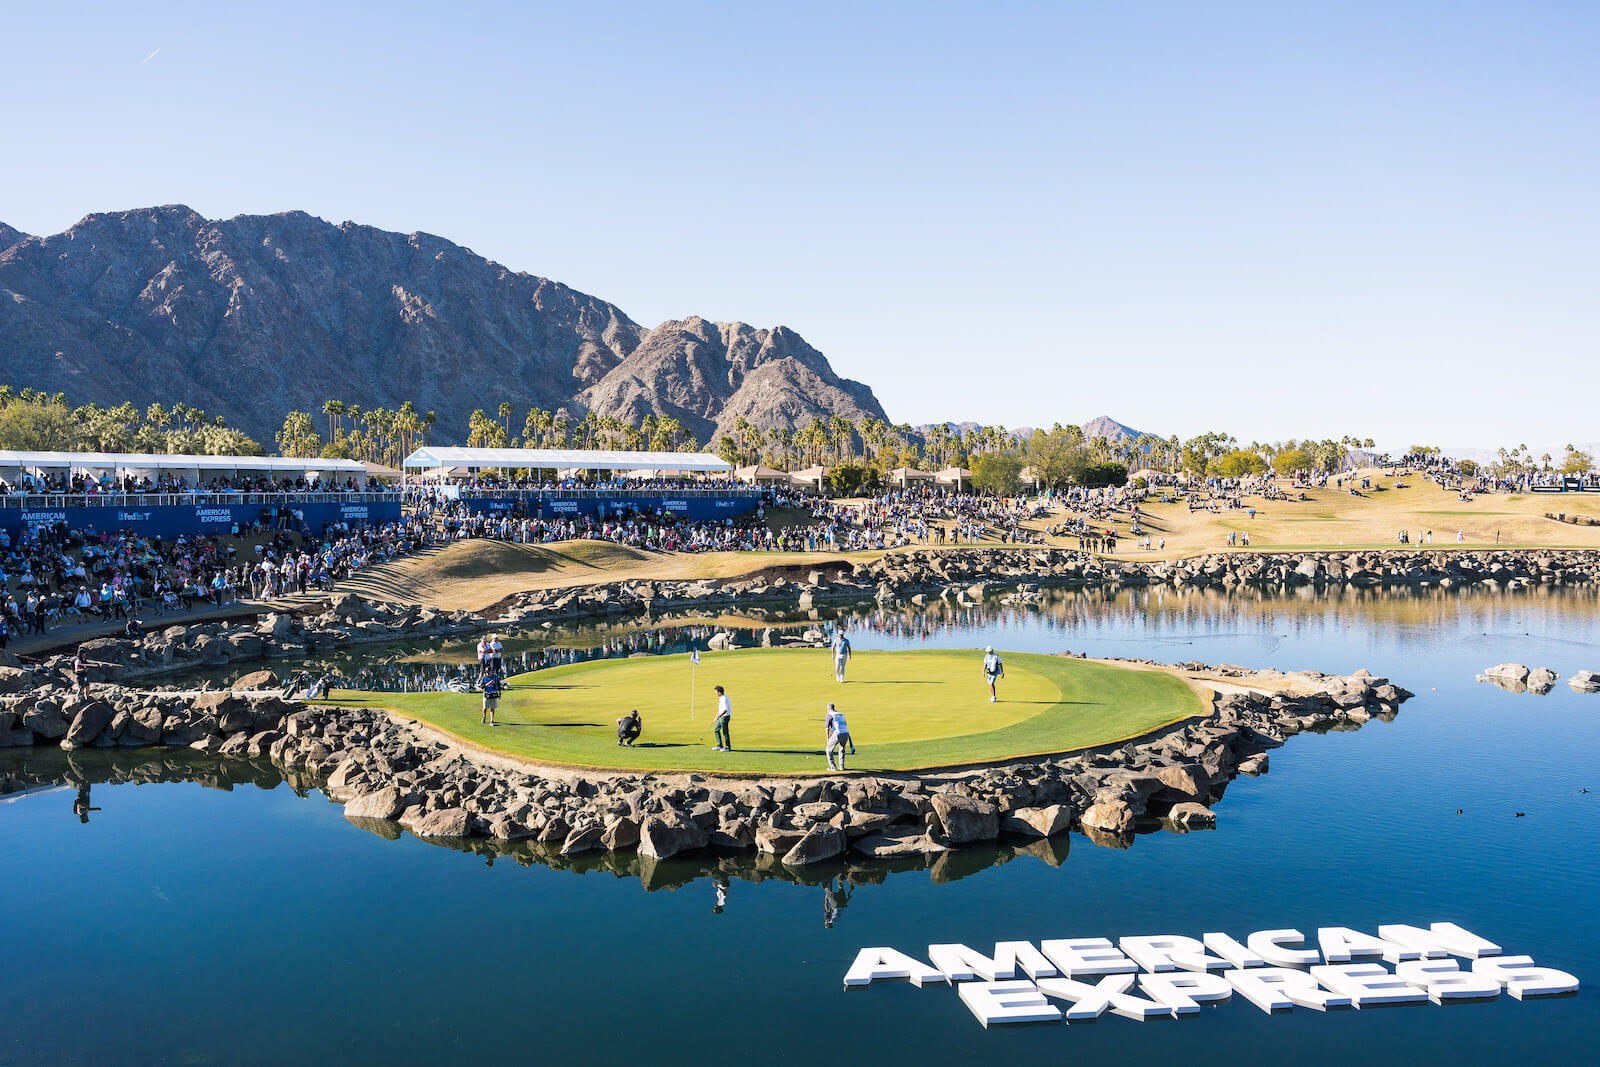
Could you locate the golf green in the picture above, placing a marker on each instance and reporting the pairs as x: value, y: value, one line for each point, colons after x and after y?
x: 906, y: 710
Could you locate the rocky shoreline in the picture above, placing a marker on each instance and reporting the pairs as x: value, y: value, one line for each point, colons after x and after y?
x: 965, y: 577
x: 399, y: 771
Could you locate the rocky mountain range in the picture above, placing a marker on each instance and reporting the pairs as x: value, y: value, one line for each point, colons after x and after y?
x: 252, y: 316
x: 1099, y: 426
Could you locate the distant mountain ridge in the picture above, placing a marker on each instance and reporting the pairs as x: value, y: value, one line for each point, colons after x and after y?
x: 1100, y: 426
x: 252, y: 316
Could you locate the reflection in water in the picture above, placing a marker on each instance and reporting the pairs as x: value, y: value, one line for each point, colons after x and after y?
x: 37, y: 775
x: 1172, y: 624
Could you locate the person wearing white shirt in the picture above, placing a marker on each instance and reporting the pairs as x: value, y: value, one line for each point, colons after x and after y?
x: 838, y: 735
x: 993, y: 670
x: 720, y: 725
x: 841, y: 654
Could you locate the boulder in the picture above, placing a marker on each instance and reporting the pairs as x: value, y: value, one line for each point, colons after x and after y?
x: 15, y: 680
x: 1039, y: 822
x: 664, y: 836
x: 386, y: 803
x: 905, y: 841
x: 1253, y: 766
x: 822, y: 843
x: 46, y: 720
x: 1585, y: 681
x: 1192, y: 815
x: 620, y: 833
x: 1113, y: 816
x: 1508, y: 672
x: 257, y: 680
x: 1184, y: 782
x: 588, y: 838
x: 88, y: 724
x: 777, y: 840
x: 719, y: 642
x: 963, y: 820
x: 449, y: 822
x: 1541, y: 680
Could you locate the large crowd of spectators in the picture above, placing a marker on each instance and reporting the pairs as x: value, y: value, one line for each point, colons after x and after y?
x: 79, y: 484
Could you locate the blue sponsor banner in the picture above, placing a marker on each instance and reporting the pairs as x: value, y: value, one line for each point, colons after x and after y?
x: 554, y: 505
x: 172, y: 520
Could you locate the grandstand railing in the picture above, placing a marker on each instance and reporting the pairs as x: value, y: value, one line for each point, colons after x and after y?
x: 203, y: 499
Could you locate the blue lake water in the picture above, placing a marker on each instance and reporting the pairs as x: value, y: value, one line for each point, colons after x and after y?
x: 186, y: 924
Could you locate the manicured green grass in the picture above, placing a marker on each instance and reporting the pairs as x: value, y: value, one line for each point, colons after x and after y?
x: 906, y: 710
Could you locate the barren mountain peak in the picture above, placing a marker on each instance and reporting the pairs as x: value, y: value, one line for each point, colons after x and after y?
x: 251, y: 316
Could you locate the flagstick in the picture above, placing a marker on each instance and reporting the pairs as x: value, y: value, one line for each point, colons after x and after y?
x: 693, y: 663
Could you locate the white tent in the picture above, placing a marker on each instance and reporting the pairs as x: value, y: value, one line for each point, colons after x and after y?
x: 435, y: 458
x: 14, y: 463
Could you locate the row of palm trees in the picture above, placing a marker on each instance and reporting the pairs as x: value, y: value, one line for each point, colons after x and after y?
x: 36, y: 420
x: 382, y: 435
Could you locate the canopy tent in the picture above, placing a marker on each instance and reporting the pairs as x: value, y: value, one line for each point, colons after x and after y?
x: 956, y: 476
x: 379, y: 470
x: 13, y: 464
x: 434, y: 459
x: 904, y: 476
x: 758, y: 475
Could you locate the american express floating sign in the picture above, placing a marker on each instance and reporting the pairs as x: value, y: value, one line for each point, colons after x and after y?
x: 1169, y: 976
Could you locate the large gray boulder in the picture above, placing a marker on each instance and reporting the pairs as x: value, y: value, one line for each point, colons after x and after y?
x: 1508, y: 672
x: 822, y: 843
x: 386, y: 803
x: 963, y: 820
x: 590, y: 838
x: 256, y: 680
x: 1113, y: 815
x: 1039, y: 822
x: 1541, y: 680
x: 1585, y: 681
x: 450, y: 822
x: 664, y: 836
x: 1192, y: 816
x: 88, y: 724
x: 1185, y: 782
x: 15, y: 680
x: 620, y: 833
x: 46, y: 720
x: 899, y: 841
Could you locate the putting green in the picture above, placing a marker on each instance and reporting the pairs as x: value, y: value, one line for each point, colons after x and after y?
x: 906, y: 710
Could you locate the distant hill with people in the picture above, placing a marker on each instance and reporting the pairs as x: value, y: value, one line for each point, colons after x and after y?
x: 253, y: 316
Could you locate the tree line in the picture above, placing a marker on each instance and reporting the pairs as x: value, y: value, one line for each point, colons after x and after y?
x: 36, y: 421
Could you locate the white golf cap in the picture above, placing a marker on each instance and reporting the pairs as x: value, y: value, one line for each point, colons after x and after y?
x: 988, y: 648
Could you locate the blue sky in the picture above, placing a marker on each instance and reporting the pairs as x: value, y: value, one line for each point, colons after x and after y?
x: 1277, y: 219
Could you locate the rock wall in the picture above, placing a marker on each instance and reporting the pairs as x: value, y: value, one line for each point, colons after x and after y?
x: 393, y: 770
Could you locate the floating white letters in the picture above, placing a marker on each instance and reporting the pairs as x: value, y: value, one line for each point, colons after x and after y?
x: 1008, y: 1002
x: 1082, y: 978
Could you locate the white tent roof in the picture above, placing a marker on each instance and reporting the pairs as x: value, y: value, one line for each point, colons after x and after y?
x: 565, y: 459
x: 144, y: 461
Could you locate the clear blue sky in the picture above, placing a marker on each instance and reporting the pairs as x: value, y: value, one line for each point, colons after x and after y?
x: 1278, y: 219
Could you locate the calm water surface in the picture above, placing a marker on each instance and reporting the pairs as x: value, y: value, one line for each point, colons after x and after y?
x: 251, y: 924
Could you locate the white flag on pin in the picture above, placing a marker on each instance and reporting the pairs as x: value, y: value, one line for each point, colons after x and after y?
x: 694, y: 656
